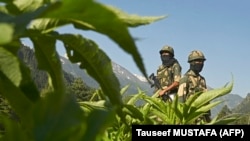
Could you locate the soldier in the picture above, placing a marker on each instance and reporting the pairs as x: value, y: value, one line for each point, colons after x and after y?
x: 192, y: 82
x: 168, y: 74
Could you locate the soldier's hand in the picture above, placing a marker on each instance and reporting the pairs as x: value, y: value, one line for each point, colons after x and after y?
x: 162, y: 92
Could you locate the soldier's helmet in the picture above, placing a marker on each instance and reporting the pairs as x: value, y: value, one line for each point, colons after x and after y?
x: 167, y: 49
x: 196, y: 55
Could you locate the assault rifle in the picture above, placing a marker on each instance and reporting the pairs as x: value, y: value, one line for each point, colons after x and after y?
x: 156, y: 83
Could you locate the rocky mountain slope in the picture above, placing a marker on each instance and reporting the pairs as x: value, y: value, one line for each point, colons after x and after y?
x: 124, y: 76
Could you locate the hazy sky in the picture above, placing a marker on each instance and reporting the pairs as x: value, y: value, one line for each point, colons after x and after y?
x: 218, y: 28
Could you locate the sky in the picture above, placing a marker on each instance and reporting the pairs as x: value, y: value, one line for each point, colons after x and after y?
x: 218, y: 28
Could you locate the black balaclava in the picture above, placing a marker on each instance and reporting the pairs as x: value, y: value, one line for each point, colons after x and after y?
x: 196, y: 67
x: 167, y: 60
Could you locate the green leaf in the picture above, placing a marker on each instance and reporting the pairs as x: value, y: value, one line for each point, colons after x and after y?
x: 95, y: 61
x: 17, y: 99
x: 21, y: 20
x: 6, y: 34
x: 95, y: 105
x: 12, y: 128
x: 134, y: 98
x: 208, y: 96
x: 133, y: 20
x: 9, y: 65
x: 56, y: 118
x: 162, y: 116
x: 97, y: 17
x: 27, y: 5
x: 155, y: 102
x: 17, y: 72
x: 97, y: 123
x: 197, y: 112
x: 124, y: 89
x: 133, y: 112
x: 48, y: 59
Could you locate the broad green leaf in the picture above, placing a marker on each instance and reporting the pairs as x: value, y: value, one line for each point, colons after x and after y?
x: 211, y: 95
x: 28, y: 5
x: 95, y: 61
x: 208, y: 107
x: 101, y: 105
x: 9, y: 65
x: 162, y: 116
x: 97, y: 123
x: 133, y: 112
x: 175, y: 111
x: 17, y: 72
x: 57, y: 119
x: 226, y: 120
x: 197, y: 112
x: 146, y: 109
x: 133, y: 20
x: 27, y: 85
x: 124, y: 89
x: 134, y: 98
x: 21, y: 20
x: 100, y: 19
x: 12, y: 128
x: 48, y: 59
x: 6, y: 34
x: 17, y: 99
x: 187, y: 106
x: 46, y: 25
x: 155, y: 102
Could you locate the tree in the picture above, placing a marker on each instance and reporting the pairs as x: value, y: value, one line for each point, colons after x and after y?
x: 224, y: 112
x: 80, y: 90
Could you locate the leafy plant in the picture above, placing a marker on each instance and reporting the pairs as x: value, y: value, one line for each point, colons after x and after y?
x: 57, y: 116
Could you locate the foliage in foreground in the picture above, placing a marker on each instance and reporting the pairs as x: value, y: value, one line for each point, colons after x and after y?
x: 57, y: 116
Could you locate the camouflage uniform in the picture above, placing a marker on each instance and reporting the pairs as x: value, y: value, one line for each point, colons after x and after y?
x: 192, y: 82
x: 167, y: 74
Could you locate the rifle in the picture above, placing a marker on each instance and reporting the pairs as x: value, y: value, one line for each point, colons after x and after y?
x: 158, y: 86
x: 156, y: 83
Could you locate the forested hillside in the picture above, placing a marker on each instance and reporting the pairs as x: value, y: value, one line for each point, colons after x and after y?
x: 75, y: 86
x: 242, y: 110
x: 230, y: 101
x: 26, y: 54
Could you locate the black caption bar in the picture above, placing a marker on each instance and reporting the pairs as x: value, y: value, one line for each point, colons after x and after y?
x: 218, y: 132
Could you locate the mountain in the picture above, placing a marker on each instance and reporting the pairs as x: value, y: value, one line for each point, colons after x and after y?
x: 124, y: 76
x: 244, y: 106
x: 74, y: 70
x: 40, y: 78
x: 231, y: 100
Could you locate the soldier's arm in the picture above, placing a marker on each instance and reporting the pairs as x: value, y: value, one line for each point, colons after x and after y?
x: 174, y: 85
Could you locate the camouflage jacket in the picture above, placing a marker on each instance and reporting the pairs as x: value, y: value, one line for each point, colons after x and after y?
x: 167, y: 75
x: 191, y: 83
